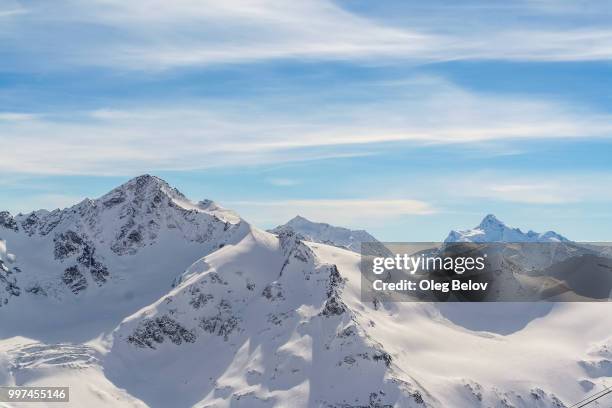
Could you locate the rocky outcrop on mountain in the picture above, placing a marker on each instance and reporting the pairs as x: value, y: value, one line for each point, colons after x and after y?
x: 8, y: 278
x: 478, y: 395
x: 72, y: 248
x: 152, y: 331
x: 260, y: 297
x: 7, y: 221
x: 598, y: 362
x: 294, y: 248
x: 160, y: 301
x: 89, y: 244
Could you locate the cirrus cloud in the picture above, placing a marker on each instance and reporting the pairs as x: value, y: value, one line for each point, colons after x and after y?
x: 158, y: 35
x: 349, y: 212
x: 204, y: 134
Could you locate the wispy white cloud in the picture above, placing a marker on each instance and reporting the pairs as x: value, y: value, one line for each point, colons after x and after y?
x: 204, y: 135
x: 348, y: 212
x: 12, y: 12
x: 543, y: 188
x: 153, y: 34
x: 16, y: 116
x: 11, y: 8
x: 531, y: 193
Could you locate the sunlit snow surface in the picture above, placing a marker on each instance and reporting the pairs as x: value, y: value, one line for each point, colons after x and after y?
x: 246, y: 318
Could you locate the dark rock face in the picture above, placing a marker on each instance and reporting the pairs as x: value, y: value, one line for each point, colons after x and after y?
x: 129, y: 239
x: 8, y: 283
x: 223, y: 323
x: 67, y: 244
x: 377, y: 400
x: 199, y: 299
x: 335, y: 281
x: 333, y: 305
x: 383, y: 356
x: 98, y: 271
x: 7, y: 221
x: 8, y: 280
x: 116, y: 199
x: 74, y: 279
x: 30, y: 224
x: 293, y: 248
x: 273, y: 291
x: 70, y: 244
x: 156, y: 330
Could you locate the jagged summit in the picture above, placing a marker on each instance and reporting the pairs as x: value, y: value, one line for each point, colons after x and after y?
x: 492, y: 229
x: 299, y: 219
x: 136, y: 191
x: 100, y: 241
x: 146, y: 185
x: 254, y: 320
x: 151, y: 188
x: 491, y: 221
x: 146, y: 197
x: 145, y: 180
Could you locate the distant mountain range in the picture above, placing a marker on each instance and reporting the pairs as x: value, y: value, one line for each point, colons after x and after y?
x: 144, y: 298
x: 492, y: 229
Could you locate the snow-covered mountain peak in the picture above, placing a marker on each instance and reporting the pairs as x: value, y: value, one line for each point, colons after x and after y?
x: 299, y: 220
x: 151, y: 189
x: 258, y: 320
x: 101, y: 241
x: 145, y: 202
x: 145, y: 186
x: 145, y: 181
x: 276, y: 313
x: 492, y: 229
x: 326, y: 233
x: 490, y: 221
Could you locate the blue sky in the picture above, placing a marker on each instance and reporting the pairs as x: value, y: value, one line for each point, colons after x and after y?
x: 404, y: 118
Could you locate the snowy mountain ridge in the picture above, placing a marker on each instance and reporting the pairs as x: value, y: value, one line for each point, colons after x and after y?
x: 199, y: 308
x: 101, y: 251
x: 491, y: 229
x: 325, y: 233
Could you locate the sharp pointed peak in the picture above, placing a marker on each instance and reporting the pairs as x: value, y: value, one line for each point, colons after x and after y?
x: 490, y: 220
x: 298, y: 221
x: 492, y: 229
x: 148, y: 183
x: 299, y: 218
x: 145, y: 179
